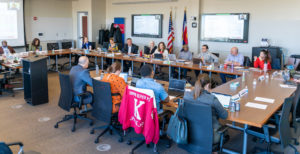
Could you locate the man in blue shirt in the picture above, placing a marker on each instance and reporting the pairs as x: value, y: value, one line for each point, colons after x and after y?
x: 147, y: 82
x: 233, y: 59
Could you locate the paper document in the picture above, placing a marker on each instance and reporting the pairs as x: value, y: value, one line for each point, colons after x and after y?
x: 287, y: 86
x: 97, y: 78
x: 223, y: 99
x: 267, y: 100
x: 172, y: 97
x: 255, y: 105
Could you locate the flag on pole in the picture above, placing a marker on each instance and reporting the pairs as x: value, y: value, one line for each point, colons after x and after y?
x: 184, y: 30
x: 171, y: 37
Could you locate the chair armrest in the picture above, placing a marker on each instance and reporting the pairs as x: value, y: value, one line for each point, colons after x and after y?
x: 270, y: 126
x: 222, y: 129
x: 15, y: 143
x: 83, y: 94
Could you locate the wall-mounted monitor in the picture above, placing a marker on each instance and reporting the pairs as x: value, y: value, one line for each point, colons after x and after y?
x: 147, y: 25
x: 225, y: 27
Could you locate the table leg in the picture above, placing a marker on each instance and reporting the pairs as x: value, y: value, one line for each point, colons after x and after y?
x: 245, y: 139
x: 96, y: 61
x: 56, y: 65
x: 113, y: 60
x: 122, y: 62
x: 209, y: 75
x: 154, y: 68
x: 132, y: 67
x: 70, y: 60
x: 201, y: 71
x: 102, y: 63
x: 169, y: 72
x: 179, y: 72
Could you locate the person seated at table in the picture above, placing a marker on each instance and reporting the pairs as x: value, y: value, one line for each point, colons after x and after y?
x: 186, y: 55
x: 162, y: 49
x: 117, y: 85
x: 130, y: 48
x: 233, y: 59
x: 112, y: 47
x: 206, y: 57
x: 86, y: 44
x: 80, y: 78
x: 35, y: 45
x: 151, y: 48
x: 147, y: 82
x: 201, y: 94
x: 5, y: 49
x: 264, y: 58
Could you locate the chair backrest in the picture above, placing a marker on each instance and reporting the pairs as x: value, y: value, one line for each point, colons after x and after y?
x: 276, y: 64
x: 105, y: 45
x: 216, y: 54
x: 66, y: 45
x: 66, y: 92
x: 102, y: 107
x: 247, y: 61
x: 52, y: 46
x: 146, y: 50
x: 200, y: 129
x: 296, y: 107
x: 93, y: 44
x: 284, y: 123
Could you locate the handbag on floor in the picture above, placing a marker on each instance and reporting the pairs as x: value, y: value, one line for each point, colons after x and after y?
x: 177, y: 128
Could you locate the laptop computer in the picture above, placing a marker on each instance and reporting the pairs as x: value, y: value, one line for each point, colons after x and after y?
x: 223, y: 99
x: 172, y: 57
x: 158, y: 56
x: 197, y: 61
x: 176, y: 87
x: 134, y: 80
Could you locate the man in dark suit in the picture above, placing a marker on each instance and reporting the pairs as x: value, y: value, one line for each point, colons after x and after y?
x: 129, y: 49
x: 5, y: 48
x: 80, y: 77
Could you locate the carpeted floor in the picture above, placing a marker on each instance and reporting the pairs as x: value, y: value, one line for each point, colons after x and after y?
x: 22, y: 122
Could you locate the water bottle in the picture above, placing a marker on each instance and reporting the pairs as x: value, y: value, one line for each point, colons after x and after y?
x: 53, y: 51
x: 200, y: 65
x: 265, y: 67
x: 130, y: 72
x: 237, y: 106
x: 231, y: 106
x: 97, y: 70
x: 244, y: 77
x: 254, y: 82
x: 212, y: 66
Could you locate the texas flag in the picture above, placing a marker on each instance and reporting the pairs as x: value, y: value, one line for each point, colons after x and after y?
x: 184, y: 31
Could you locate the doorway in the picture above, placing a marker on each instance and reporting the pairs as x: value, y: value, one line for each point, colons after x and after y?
x: 82, y: 27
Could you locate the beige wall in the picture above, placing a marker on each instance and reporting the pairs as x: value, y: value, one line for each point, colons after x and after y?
x: 158, y: 8
x: 98, y: 19
x: 54, y: 19
x: 277, y: 20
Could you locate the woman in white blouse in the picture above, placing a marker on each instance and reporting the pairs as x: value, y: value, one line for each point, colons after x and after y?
x: 162, y: 50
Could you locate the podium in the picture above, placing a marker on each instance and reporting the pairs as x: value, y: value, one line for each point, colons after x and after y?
x: 35, y: 80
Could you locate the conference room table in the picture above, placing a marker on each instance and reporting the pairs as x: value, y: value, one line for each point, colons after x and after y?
x: 269, y: 88
x: 180, y: 65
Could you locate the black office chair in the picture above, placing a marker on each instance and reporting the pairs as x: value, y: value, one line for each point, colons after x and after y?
x: 276, y: 64
x: 296, y: 114
x: 93, y: 44
x: 5, y: 147
x: 200, y: 129
x: 216, y: 54
x: 282, y: 135
x: 247, y: 61
x: 5, y: 85
x: 105, y: 45
x: 66, y: 102
x: 102, y: 109
x: 53, y: 46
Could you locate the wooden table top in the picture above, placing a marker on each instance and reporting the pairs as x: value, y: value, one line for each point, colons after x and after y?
x: 268, y: 88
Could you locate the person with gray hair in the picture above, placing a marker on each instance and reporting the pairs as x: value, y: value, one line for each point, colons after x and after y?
x: 5, y: 49
x: 80, y: 78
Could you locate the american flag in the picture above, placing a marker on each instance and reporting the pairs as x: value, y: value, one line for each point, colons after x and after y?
x: 171, y: 37
x: 184, y: 31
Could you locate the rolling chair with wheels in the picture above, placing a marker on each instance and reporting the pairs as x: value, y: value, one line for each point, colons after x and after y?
x: 282, y: 135
x: 5, y: 85
x: 66, y: 102
x: 102, y: 110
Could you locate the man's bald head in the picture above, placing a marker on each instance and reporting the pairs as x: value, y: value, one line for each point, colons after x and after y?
x: 234, y: 51
x: 83, y: 61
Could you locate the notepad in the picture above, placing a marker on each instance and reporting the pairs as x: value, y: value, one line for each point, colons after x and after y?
x: 172, y: 97
x: 287, y: 86
x: 267, y: 100
x: 255, y: 105
x: 223, y: 99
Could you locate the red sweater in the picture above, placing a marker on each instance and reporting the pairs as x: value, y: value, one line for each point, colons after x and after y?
x: 260, y: 64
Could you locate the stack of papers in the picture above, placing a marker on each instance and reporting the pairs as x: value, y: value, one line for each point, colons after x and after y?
x: 267, y: 100
x: 223, y: 99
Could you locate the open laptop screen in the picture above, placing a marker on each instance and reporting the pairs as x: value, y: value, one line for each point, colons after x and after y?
x: 178, y: 85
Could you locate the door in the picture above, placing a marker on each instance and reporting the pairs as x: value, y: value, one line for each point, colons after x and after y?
x: 82, y: 27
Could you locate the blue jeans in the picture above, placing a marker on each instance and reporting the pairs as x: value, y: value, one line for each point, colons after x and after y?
x: 224, y: 76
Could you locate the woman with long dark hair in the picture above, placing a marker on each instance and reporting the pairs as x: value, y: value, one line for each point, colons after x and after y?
x: 35, y: 45
x: 264, y: 58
